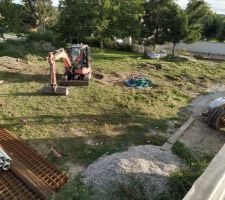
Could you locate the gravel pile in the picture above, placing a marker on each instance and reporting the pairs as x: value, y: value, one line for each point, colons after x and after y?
x: 140, y: 170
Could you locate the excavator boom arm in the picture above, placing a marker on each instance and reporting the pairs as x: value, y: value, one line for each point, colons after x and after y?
x: 52, y: 57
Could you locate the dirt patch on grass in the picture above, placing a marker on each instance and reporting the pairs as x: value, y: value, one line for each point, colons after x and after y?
x: 112, y: 79
x: 13, y: 64
x: 157, y: 67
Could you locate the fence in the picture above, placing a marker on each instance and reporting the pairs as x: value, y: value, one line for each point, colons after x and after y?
x: 211, y: 50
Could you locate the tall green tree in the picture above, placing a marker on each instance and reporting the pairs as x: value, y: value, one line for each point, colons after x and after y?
x: 221, y: 32
x: 103, y: 11
x: 196, y: 10
x: 126, y: 18
x: 102, y: 18
x: 154, y: 21
x: 40, y: 13
x: 177, y: 23
x: 12, y: 17
x: 211, y: 26
x: 76, y: 19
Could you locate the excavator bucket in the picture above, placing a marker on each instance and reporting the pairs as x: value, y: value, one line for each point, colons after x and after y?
x: 47, y: 89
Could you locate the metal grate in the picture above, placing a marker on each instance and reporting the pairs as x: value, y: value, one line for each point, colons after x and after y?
x: 11, y: 187
x: 32, y: 160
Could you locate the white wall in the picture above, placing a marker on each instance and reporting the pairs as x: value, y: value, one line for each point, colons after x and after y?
x: 204, y: 47
x: 211, y: 50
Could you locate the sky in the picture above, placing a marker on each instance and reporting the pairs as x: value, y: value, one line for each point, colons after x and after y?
x: 218, y: 6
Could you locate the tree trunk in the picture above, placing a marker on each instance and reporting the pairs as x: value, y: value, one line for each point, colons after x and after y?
x: 154, y: 47
x: 101, y: 42
x: 174, y: 49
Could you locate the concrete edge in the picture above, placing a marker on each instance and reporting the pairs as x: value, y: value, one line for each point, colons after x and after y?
x: 174, y: 138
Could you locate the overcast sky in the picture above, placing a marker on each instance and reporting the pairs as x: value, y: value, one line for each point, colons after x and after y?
x: 217, y: 5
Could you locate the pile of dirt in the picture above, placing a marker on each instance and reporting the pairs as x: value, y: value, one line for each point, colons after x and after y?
x: 140, y: 170
x: 13, y: 64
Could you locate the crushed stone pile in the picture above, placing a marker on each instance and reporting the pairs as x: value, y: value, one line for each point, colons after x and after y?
x: 141, y: 169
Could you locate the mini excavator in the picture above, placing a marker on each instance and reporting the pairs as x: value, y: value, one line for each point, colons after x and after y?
x: 77, y: 65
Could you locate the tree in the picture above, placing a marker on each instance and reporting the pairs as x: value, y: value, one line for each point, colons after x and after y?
x: 177, y: 25
x: 12, y: 16
x: 103, y: 11
x: 76, y: 19
x: 211, y: 26
x: 102, y: 18
x: 196, y: 10
x: 221, y: 33
x: 127, y: 17
x: 40, y: 13
x: 153, y: 28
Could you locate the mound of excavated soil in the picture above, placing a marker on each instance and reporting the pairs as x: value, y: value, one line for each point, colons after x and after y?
x: 141, y: 169
x: 13, y: 64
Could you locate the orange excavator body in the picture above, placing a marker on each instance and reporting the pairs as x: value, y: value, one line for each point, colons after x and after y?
x: 77, y: 65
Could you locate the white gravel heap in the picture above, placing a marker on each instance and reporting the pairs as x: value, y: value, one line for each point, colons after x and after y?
x: 147, y: 166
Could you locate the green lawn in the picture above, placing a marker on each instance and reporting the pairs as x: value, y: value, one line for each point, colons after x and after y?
x: 106, y: 116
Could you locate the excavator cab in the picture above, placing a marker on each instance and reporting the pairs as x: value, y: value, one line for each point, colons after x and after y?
x: 80, y: 55
x: 80, y: 71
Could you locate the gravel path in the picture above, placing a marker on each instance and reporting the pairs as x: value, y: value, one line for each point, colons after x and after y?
x: 142, y: 170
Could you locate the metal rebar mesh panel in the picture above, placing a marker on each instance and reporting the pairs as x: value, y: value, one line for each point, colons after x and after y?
x: 11, y: 188
x: 33, y: 161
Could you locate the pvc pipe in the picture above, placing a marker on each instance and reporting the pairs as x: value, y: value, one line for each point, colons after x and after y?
x: 1, y: 163
x: 6, y: 157
x: 6, y: 166
x: 2, y: 157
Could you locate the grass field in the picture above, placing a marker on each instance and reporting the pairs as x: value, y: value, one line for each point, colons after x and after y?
x: 104, y: 117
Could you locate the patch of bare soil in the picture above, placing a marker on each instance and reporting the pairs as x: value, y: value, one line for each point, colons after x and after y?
x: 199, y: 136
x: 157, y: 67
x: 13, y: 64
x: 112, y: 79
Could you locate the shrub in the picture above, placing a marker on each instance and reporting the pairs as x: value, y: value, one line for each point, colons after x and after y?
x: 47, y: 36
